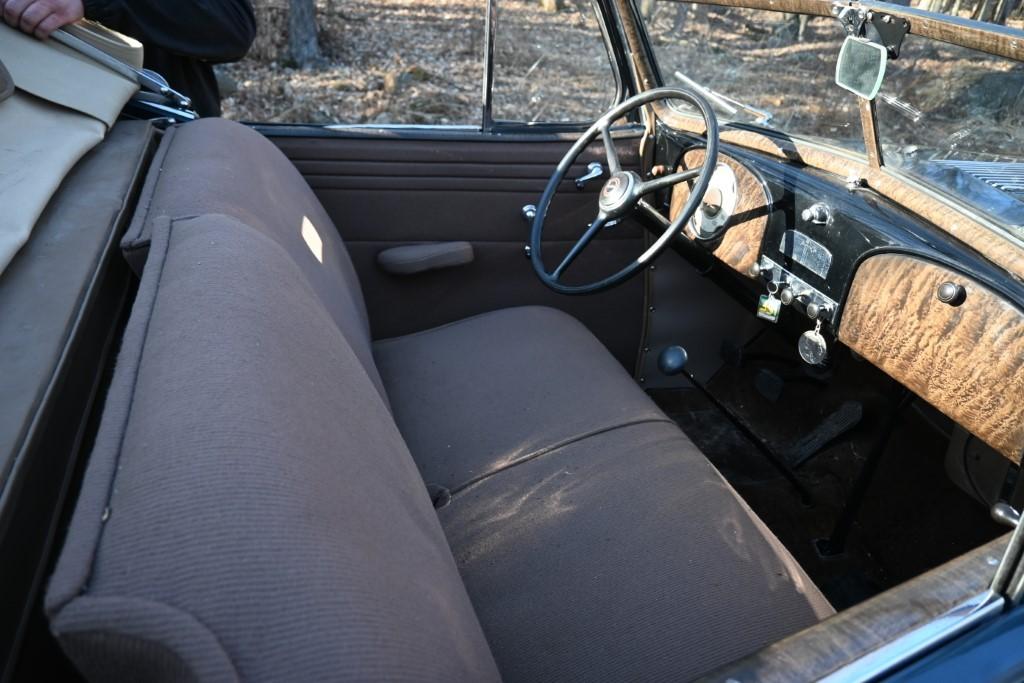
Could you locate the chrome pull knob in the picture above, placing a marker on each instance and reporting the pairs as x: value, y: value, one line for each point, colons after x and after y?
x: 594, y: 170
x: 819, y: 214
x: 818, y: 311
x: 529, y: 212
x: 788, y: 296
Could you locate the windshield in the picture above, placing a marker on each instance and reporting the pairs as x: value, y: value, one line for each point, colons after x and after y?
x: 949, y: 116
x: 766, y: 62
x: 954, y: 118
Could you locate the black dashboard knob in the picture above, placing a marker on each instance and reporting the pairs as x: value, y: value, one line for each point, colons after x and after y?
x: 951, y: 293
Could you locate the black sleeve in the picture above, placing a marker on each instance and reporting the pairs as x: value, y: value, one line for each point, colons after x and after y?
x: 210, y: 30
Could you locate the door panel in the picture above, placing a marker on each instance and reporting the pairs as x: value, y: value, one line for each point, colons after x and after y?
x: 383, y: 192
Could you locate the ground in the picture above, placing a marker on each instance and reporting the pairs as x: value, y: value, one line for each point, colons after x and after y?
x: 409, y: 61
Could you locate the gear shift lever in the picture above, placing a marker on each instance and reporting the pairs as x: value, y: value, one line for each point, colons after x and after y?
x: 672, y: 360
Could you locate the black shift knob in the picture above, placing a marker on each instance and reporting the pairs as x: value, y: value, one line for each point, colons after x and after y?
x: 672, y: 360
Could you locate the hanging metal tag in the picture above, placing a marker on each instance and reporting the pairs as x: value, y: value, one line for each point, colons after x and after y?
x: 812, y: 346
x: 768, y: 307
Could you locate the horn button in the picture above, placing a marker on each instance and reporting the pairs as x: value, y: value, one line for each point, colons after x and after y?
x: 617, y: 194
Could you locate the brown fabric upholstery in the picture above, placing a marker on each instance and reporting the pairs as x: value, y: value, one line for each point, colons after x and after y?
x: 250, y: 510
x: 579, y: 512
x: 624, y: 556
x: 213, y: 166
x: 478, y: 395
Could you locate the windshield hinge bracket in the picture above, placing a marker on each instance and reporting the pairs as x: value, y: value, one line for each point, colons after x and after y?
x: 884, y: 29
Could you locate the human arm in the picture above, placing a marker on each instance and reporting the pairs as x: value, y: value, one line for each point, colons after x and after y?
x: 210, y: 30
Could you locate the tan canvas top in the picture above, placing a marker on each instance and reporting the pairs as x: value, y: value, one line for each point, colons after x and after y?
x: 6, y: 83
x: 125, y: 48
x: 62, y: 76
x: 55, y: 105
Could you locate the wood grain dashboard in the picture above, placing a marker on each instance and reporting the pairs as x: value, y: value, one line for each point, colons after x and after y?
x: 967, y: 360
x: 740, y: 246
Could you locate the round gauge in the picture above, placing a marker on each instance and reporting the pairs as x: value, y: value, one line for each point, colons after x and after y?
x: 719, y: 202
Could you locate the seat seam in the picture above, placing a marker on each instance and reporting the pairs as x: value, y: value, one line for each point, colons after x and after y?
x: 388, y: 341
x: 133, y: 236
x: 548, y: 450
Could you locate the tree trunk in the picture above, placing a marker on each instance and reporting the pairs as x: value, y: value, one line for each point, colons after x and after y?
x: 303, y: 47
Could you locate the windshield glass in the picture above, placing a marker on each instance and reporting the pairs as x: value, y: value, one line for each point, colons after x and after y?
x: 949, y: 116
x: 759, y: 62
x: 954, y: 118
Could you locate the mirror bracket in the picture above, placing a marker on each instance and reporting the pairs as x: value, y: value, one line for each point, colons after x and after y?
x: 878, y: 27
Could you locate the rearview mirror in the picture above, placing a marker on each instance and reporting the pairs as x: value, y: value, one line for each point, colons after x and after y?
x: 861, y: 67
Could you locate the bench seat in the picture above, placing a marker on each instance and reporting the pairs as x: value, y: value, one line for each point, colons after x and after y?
x: 271, y: 498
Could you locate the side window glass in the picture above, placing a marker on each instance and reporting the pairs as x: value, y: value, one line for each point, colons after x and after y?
x: 386, y: 62
x: 550, y: 62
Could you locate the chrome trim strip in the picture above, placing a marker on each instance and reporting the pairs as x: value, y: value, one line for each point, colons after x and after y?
x: 920, y: 640
x: 400, y: 126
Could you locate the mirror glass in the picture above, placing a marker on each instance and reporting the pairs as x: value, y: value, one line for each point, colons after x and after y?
x: 861, y: 67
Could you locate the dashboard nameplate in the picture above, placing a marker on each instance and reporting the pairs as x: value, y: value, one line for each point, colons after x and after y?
x: 803, y: 250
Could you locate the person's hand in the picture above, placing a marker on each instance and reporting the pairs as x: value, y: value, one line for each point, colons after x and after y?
x: 41, y: 17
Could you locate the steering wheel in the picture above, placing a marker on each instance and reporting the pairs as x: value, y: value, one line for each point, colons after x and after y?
x: 623, y: 192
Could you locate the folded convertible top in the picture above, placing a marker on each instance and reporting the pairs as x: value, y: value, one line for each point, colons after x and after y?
x: 55, y: 105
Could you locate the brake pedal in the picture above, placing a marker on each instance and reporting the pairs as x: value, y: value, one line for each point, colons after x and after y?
x: 845, y: 418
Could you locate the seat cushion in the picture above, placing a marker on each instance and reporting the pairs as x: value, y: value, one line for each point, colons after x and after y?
x: 481, y: 394
x: 623, y: 556
x: 214, y: 166
x: 249, y: 510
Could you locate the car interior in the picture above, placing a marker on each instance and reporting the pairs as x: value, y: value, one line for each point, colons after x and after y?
x: 658, y: 397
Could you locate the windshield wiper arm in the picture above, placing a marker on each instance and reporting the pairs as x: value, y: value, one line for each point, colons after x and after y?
x: 730, y: 105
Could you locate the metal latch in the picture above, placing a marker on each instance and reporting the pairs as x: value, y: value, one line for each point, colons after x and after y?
x: 884, y: 29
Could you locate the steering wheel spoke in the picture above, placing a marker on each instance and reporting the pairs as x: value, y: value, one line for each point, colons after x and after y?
x: 661, y: 182
x: 609, y: 148
x: 580, y: 245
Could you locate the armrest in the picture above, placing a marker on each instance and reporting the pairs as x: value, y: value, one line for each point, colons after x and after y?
x: 419, y: 258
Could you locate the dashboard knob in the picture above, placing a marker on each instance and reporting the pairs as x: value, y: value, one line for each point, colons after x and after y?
x: 818, y: 311
x: 788, y: 296
x: 817, y: 213
x: 951, y: 293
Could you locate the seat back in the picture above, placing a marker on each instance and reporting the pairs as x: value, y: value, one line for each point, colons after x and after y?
x: 250, y: 510
x: 215, y: 166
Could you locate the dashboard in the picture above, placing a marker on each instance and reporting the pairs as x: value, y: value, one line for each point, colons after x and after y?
x: 852, y: 267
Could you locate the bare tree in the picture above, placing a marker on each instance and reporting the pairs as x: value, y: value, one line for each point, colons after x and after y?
x: 303, y: 46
